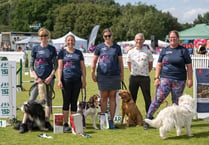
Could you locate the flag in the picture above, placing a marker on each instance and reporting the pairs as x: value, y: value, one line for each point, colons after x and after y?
x: 93, y: 36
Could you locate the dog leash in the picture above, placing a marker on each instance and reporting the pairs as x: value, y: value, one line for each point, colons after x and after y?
x: 123, y: 85
x: 83, y: 93
x: 48, y: 86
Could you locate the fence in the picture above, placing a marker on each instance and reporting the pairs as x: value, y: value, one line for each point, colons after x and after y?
x: 198, y: 61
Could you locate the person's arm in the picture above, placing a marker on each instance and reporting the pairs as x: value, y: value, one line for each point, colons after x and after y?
x: 120, y: 58
x: 157, y: 74
x: 83, y: 69
x: 52, y: 74
x: 59, y: 73
x: 55, y: 66
x: 129, y: 66
x: 32, y: 62
x: 189, y: 75
x: 93, y: 67
x: 150, y: 66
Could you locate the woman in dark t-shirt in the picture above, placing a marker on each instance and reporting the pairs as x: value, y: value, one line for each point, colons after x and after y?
x: 173, y: 69
x: 43, y: 65
x: 71, y: 77
x: 109, y: 72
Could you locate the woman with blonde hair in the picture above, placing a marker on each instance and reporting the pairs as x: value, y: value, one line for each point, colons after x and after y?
x: 43, y: 65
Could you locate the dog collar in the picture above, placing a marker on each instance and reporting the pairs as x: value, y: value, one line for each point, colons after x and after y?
x: 128, y: 100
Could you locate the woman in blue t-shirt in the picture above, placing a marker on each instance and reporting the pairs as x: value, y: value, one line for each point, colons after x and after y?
x: 171, y: 74
x: 109, y: 71
x: 71, y: 77
x: 43, y: 65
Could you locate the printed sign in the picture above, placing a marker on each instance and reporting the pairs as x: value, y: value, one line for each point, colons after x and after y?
x: 58, y: 123
x: 7, y: 89
x: 3, y: 123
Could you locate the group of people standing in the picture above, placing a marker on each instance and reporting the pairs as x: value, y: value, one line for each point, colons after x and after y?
x: 107, y: 70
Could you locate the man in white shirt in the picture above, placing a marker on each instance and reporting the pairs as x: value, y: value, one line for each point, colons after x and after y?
x: 140, y: 62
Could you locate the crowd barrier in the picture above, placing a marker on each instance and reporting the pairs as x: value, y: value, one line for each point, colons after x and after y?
x: 198, y: 61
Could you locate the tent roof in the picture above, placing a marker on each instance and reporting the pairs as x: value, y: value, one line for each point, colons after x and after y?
x: 62, y: 39
x: 199, y: 31
x: 28, y: 40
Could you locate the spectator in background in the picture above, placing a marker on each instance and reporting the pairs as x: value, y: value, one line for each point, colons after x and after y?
x: 81, y: 48
x: 190, y: 49
x: 202, y: 49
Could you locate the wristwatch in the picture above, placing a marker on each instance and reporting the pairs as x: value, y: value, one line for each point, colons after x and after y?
x: 156, y: 78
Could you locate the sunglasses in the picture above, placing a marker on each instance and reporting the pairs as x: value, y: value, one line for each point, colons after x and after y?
x: 107, y: 36
x: 46, y: 35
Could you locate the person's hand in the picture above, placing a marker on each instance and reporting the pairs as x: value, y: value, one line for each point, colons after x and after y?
x: 94, y: 77
x: 39, y: 80
x: 60, y: 85
x: 83, y: 84
x: 122, y: 78
x: 157, y: 82
x: 48, y: 80
x: 189, y: 83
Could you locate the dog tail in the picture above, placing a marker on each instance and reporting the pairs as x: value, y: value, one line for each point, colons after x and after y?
x: 157, y: 123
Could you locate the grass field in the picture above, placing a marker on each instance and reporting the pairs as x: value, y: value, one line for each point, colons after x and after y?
x: 122, y: 136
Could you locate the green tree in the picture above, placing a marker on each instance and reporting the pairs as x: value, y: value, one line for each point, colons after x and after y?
x: 202, y: 19
x: 144, y: 19
x: 81, y: 18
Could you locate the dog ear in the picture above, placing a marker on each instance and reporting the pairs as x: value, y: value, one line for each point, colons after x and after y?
x: 91, y: 100
x: 129, y: 94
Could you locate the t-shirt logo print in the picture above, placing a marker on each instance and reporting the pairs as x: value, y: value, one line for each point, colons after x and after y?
x: 41, y: 61
x: 104, y: 59
x: 68, y: 64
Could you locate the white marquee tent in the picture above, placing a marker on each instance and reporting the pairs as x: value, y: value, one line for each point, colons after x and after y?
x: 28, y: 40
x: 61, y: 41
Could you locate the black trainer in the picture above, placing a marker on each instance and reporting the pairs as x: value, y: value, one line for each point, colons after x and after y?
x: 23, y: 128
x: 146, y: 126
x: 66, y: 128
x: 48, y: 126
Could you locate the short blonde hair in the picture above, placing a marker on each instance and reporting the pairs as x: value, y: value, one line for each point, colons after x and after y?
x: 44, y: 30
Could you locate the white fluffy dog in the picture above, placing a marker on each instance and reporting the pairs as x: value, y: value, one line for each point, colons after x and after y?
x: 175, y: 116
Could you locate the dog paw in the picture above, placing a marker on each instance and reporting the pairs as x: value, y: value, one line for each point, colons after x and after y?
x: 96, y: 128
x: 163, y: 137
x: 190, y: 135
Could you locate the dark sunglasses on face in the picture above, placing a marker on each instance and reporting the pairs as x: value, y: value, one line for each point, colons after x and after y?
x: 107, y: 36
x: 46, y: 35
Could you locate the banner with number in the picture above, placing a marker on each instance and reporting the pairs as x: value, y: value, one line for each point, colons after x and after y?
x: 202, y: 90
x: 7, y: 89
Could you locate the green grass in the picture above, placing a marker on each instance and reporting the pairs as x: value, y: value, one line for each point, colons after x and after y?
x: 122, y: 136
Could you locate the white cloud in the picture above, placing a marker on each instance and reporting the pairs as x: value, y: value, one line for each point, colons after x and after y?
x: 186, y: 15
x: 191, y: 15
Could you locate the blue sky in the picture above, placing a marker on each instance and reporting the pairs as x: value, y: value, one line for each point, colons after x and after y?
x: 184, y: 10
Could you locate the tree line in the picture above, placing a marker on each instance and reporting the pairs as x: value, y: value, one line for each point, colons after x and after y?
x: 80, y: 16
